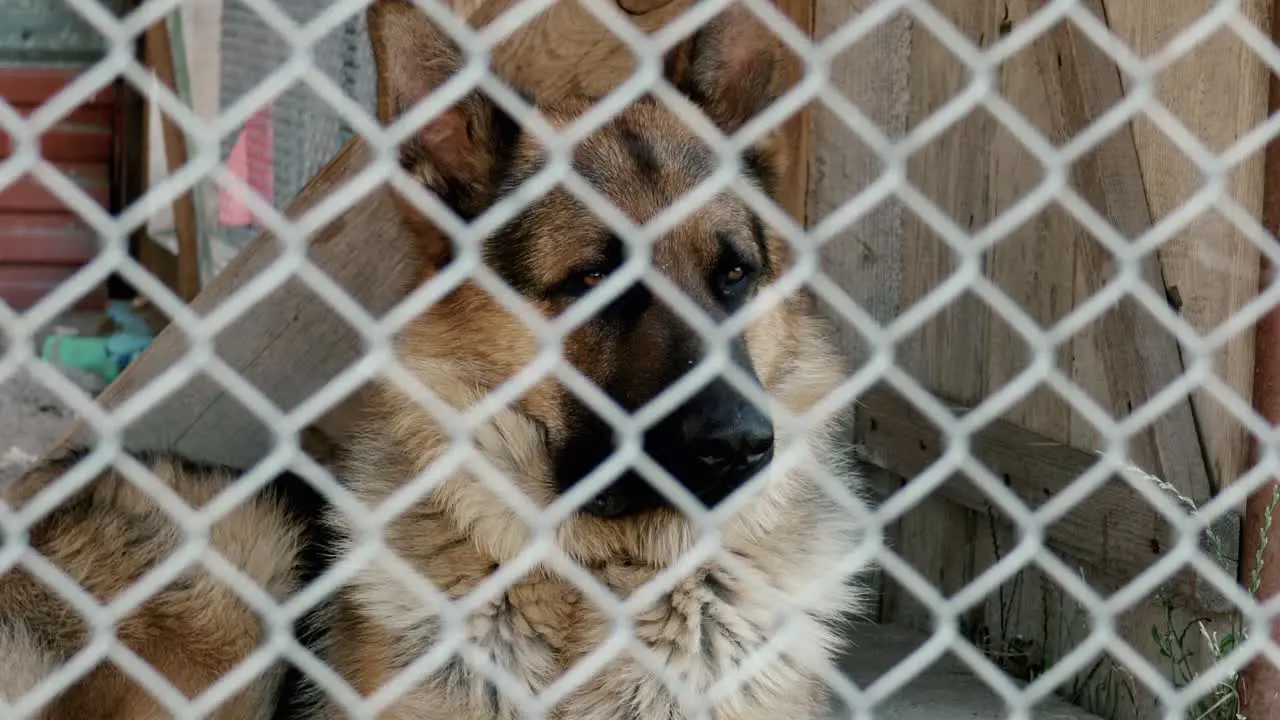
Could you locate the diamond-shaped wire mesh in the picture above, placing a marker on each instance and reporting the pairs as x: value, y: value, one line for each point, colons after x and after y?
x: 1054, y: 441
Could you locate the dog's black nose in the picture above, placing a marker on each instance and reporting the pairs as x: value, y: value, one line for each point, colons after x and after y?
x: 726, y: 437
x: 740, y: 446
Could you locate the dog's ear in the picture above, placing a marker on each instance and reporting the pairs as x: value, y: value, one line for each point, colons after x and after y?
x: 456, y: 153
x: 731, y: 67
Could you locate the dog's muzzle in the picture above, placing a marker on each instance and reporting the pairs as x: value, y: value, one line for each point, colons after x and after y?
x: 712, y: 445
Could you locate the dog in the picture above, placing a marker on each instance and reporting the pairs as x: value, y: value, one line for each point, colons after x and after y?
x: 194, y: 628
x: 512, y: 616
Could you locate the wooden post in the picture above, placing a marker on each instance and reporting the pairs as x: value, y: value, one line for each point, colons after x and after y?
x: 1259, y: 682
x: 159, y: 57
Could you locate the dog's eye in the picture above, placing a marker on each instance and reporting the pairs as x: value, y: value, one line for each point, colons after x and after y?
x: 580, y: 283
x: 734, y: 277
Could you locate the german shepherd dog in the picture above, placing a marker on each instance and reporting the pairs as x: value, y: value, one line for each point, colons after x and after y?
x: 733, y: 632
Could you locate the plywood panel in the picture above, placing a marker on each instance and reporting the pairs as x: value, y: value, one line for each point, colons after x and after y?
x: 973, y: 172
x: 1113, y: 531
x: 936, y: 535
x: 1035, y: 264
x: 953, y: 172
x: 1219, y: 91
x: 863, y: 257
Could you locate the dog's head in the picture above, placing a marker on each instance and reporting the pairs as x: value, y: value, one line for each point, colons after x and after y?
x: 556, y: 251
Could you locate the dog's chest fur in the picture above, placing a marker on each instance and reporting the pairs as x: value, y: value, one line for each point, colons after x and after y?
x: 542, y: 634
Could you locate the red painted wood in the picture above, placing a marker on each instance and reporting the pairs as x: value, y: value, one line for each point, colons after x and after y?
x: 30, y: 195
x: 61, y: 239
x: 84, y: 135
x: 68, y: 142
x: 42, y: 241
x: 22, y: 286
x: 99, y: 116
x: 34, y: 85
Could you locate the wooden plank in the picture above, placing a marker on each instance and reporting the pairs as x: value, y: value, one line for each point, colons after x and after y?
x: 1036, y: 264
x: 557, y: 52
x: 157, y: 259
x: 159, y: 56
x: 95, y: 115
x: 948, y: 353
x: 132, y: 122
x: 83, y: 135
x: 85, y: 142
x: 1063, y: 84
x: 32, y: 85
x: 864, y: 258
x: 54, y: 239
x: 1219, y: 90
x: 1115, y: 531
x: 28, y: 195
x: 973, y: 171
x: 22, y: 286
x: 205, y: 423
x: 1126, y: 356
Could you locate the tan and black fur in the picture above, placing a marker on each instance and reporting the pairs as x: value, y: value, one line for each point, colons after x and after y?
x: 194, y: 628
x: 776, y: 567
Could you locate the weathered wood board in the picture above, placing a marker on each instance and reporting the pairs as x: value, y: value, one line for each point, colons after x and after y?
x: 1218, y: 90
x: 1117, y: 533
x: 890, y: 259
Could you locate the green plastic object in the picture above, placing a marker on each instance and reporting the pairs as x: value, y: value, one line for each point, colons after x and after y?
x: 105, y: 356
x: 83, y: 353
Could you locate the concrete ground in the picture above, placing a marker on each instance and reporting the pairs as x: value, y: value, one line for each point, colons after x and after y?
x: 33, y: 417
x: 946, y: 690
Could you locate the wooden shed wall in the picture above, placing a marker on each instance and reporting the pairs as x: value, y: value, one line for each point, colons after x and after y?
x: 42, y: 240
x: 1137, y: 178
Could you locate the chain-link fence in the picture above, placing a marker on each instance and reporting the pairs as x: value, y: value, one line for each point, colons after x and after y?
x: 308, y: 132
x: 1038, y: 243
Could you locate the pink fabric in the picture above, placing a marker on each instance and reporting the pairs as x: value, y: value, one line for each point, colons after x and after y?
x: 252, y: 161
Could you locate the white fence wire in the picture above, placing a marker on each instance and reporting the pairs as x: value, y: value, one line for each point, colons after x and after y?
x: 378, y: 333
